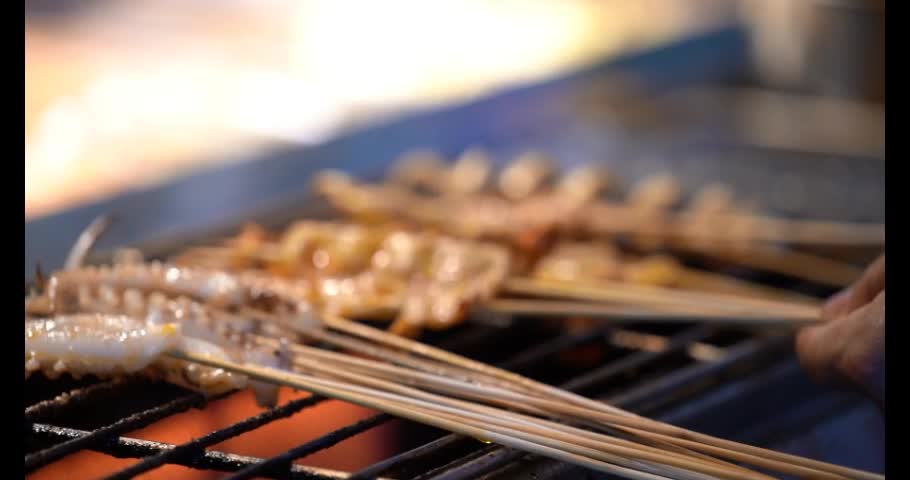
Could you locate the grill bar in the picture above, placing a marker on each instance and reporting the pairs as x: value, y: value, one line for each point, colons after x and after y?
x: 676, y: 344
x: 125, y: 447
x: 62, y: 402
x: 132, y: 422
x: 280, y: 464
x: 478, y: 455
x: 474, y: 467
x: 536, y: 354
x: 412, y: 455
x: 196, y: 447
x: 688, y: 376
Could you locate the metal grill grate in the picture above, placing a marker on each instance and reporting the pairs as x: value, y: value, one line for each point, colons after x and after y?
x: 642, y: 381
x: 588, y: 360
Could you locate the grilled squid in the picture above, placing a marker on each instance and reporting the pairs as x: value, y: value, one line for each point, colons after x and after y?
x: 111, y: 345
x: 469, y: 174
x: 139, y: 301
x: 583, y: 184
x: 423, y: 278
x: 596, y: 261
x: 525, y: 175
x: 421, y: 169
x: 215, y: 288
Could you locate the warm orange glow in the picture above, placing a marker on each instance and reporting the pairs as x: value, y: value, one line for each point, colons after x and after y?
x: 272, y: 439
x: 112, y: 103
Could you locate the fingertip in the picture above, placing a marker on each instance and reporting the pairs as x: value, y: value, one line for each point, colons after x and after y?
x: 809, y: 351
x: 803, y: 339
x: 838, y: 304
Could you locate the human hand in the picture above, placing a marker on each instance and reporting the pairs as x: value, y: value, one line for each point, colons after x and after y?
x: 849, y: 345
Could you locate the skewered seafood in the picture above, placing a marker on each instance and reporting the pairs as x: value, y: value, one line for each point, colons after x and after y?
x: 526, y: 175
x: 418, y: 169
x: 355, y: 270
x: 108, y: 345
x: 524, y: 226
x: 424, y: 170
x: 646, y: 216
x: 469, y: 174
x: 107, y: 316
x: 583, y: 184
x: 590, y: 262
x: 711, y: 226
x: 68, y: 290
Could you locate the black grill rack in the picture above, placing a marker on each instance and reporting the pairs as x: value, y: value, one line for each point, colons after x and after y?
x: 676, y: 377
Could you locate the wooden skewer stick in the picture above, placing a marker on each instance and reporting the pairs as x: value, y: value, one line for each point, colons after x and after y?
x: 621, y: 314
x: 662, y: 298
x: 343, y: 365
x: 804, y: 232
x: 444, y: 384
x: 466, y: 389
x: 592, y: 409
x: 321, y: 387
x: 430, y: 352
x: 788, y: 262
x: 701, y: 280
x: 603, y: 218
x: 493, y: 416
x: 359, y: 346
x: 609, y: 413
x: 641, y: 465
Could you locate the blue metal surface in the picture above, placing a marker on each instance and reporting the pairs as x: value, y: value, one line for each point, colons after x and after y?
x: 783, y: 410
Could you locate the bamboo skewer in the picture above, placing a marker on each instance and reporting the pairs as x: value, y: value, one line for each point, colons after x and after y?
x: 702, y: 280
x: 615, y: 220
x: 488, y: 393
x: 622, y: 314
x: 619, y: 460
x: 356, y: 345
x: 324, y: 388
x: 663, y: 298
x: 493, y: 416
x: 791, y: 263
x: 343, y: 365
x: 375, y: 399
x: 606, y: 412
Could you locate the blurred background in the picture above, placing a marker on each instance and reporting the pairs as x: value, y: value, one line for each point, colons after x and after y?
x: 127, y: 95
x: 178, y: 115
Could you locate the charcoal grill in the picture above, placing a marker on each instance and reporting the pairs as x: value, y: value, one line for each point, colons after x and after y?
x: 749, y: 388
